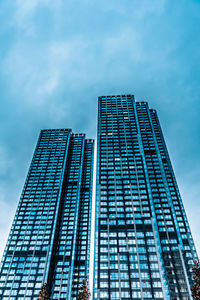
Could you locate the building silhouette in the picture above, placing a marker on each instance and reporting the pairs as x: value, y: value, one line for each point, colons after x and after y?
x: 143, y: 244
x: 50, y: 237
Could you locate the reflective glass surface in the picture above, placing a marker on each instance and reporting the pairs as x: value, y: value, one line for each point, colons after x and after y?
x: 50, y: 235
x: 144, y: 247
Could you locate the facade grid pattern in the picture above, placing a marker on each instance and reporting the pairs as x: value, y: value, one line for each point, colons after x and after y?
x: 143, y: 245
x: 43, y: 239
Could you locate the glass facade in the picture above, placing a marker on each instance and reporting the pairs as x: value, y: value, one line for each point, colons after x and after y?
x: 50, y: 236
x: 143, y: 244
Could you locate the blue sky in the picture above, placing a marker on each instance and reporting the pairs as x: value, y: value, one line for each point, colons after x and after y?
x: 57, y: 57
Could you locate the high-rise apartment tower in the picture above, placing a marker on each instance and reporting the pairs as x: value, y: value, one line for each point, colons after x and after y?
x: 143, y: 245
x: 50, y: 236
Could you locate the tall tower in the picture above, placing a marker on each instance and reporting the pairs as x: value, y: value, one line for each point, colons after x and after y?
x: 143, y: 245
x: 50, y: 237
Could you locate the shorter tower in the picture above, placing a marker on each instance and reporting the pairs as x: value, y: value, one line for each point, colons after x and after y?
x: 50, y: 237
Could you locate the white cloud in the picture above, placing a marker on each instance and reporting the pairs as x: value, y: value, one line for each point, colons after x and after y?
x: 6, y: 217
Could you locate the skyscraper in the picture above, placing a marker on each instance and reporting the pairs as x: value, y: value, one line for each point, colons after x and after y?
x: 50, y: 237
x: 143, y: 245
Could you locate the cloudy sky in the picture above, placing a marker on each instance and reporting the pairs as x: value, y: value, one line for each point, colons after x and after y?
x: 57, y: 57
